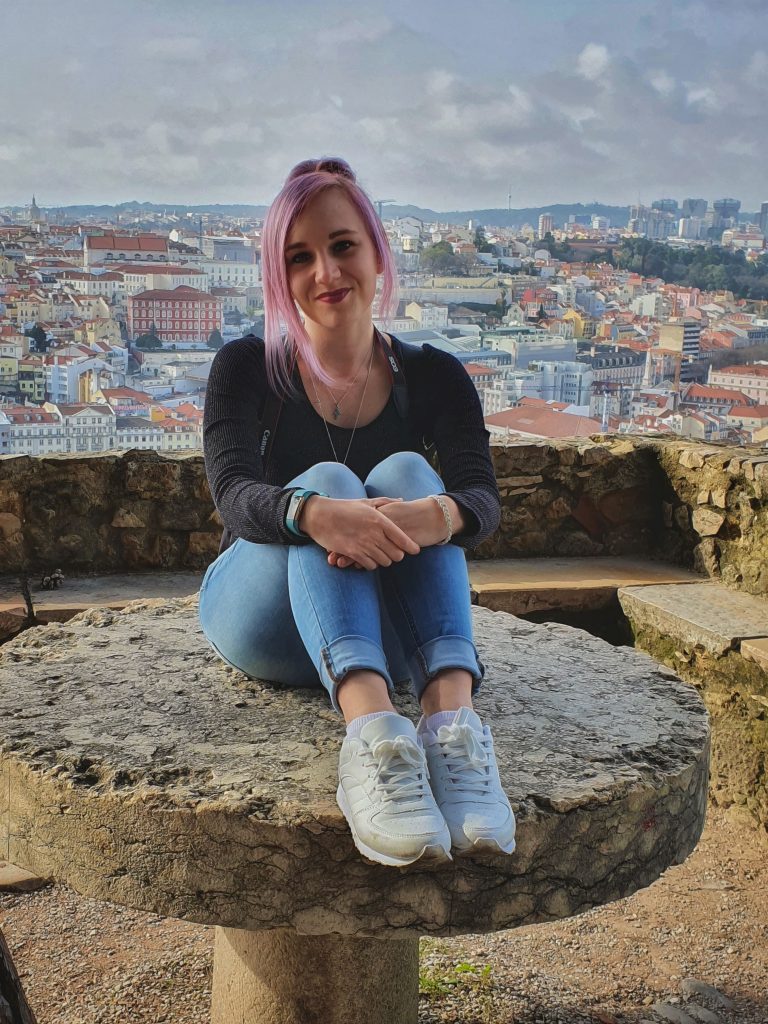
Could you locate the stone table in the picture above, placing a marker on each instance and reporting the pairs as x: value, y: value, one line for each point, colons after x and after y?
x: 138, y: 769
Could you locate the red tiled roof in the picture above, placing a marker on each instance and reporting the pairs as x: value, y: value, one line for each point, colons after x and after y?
x: 544, y: 422
x: 152, y: 243
x: 744, y: 371
x: 157, y: 268
x: 28, y: 414
x: 715, y: 393
x: 753, y: 412
x: 183, y: 293
x: 124, y: 393
x: 477, y: 369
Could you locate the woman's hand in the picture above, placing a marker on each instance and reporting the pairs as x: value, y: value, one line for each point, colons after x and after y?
x: 421, y: 519
x: 357, y: 531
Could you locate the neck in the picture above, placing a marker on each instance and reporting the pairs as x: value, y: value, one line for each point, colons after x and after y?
x: 340, y: 350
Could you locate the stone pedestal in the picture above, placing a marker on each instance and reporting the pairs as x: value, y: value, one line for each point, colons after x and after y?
x: 279, y: 977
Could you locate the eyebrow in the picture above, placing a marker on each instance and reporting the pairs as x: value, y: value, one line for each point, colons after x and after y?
x: 333, y: 234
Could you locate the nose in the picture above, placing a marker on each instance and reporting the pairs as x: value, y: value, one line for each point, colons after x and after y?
x: 326, y: 268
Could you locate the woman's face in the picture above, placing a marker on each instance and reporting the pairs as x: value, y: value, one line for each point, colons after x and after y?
x: 331, y: 261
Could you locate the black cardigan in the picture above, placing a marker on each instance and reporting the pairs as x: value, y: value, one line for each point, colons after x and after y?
x: 444, y: 409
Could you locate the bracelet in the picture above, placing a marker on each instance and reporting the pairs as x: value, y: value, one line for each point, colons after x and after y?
x: 446, y: 516
x: 295, y: 508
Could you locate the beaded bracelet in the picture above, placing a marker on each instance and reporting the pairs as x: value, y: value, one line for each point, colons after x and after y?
x: 446, y: 516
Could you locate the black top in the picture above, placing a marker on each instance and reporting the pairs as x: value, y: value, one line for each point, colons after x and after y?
x: 444, y: 408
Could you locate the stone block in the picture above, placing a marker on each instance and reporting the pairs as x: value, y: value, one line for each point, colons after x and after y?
x: 16, y: 879
x: 690, y: 458
x: 706, y: 522
x: 756, y: 650
x: 705, y: 615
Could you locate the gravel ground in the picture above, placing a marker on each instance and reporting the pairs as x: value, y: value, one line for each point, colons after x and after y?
x: 691, y: 948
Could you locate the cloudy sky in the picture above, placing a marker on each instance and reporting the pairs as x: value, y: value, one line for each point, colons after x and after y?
x: 434, y: 102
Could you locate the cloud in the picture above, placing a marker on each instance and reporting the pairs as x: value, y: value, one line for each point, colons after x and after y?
x: 704, y: 97
x: 662, y: 82
x: 220, y: 111
x: 756, y: 72
x: 173, y: 48
x: 593, y: 61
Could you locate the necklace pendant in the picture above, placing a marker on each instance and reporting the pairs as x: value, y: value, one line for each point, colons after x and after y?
x: 336, y: 412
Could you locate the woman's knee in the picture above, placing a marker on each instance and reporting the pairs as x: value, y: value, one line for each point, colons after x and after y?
x: 333, y: 478
x: 405, y: 475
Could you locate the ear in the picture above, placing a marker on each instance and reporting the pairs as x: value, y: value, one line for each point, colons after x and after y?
x: 379, y: 264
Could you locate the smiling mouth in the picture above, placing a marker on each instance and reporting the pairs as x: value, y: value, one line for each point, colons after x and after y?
x: 336, y: 296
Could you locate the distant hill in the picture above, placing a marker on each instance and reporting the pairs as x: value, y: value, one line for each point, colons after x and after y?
x: 618, y: 215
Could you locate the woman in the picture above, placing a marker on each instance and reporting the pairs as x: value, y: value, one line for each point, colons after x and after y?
x: 343, y: 561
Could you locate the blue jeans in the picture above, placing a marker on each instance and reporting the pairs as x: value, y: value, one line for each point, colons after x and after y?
x: 281, y: 613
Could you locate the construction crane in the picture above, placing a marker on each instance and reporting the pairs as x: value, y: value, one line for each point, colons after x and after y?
x: 381, y: 202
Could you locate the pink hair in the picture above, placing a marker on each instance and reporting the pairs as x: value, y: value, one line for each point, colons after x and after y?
x: 306, y: 181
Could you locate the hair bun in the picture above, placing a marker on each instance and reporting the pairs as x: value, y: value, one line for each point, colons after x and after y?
x: 329, y: 164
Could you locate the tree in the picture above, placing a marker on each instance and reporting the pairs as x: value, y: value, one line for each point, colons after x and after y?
x: 215, y: 339
x: 148, y: 342
x: 481, y: 242
x: 441, y: 259
x: 39, y: 338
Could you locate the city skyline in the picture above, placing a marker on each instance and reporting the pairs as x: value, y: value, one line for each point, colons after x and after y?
x: 440, y: 108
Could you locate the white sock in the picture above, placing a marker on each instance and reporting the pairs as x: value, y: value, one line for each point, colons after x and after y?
x: 354, y: 727
x: 433, y: 723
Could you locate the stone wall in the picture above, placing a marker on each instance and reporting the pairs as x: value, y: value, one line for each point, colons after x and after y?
x: 700, y: 506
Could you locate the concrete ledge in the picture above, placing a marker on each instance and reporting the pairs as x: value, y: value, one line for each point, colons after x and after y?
x: 16, y: 879
x: 718, y: 640
x: 81, y: 592
x: 524, y: 585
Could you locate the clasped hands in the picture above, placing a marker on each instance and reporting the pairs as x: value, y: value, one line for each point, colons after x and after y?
x: 366, y: 533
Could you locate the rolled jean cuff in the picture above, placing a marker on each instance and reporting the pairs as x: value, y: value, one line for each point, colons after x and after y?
x: 347, y: 654
x: 445, y: 652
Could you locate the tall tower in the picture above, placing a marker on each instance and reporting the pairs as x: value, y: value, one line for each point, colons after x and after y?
x: 763, y: 219
x: 726, y: 210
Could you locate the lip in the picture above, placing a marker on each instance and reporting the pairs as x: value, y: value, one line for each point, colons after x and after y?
x: 332, y: 297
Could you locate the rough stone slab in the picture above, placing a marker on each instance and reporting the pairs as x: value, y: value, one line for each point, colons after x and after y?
x: 143, y: 771
x: 16, y: 879
x: 523, y: 585
x: 698, y: 614
x: 757, y: 651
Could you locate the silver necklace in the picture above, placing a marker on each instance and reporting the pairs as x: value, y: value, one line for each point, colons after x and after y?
x: 337, y: 401
x: 359, y: 410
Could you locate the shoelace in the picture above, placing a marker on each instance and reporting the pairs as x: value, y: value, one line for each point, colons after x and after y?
x: 401, y: 769
x: 467, y: 756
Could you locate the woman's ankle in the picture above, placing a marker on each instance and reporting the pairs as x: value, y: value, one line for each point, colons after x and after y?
x: 448, y: 691
x: 363, y: 693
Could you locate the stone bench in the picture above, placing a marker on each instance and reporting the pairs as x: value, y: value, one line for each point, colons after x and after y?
x: 717, y: 639
x: 138, y: 769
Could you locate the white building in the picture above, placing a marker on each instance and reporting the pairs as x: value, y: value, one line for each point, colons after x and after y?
x: 68, y: 378
x: 429, y: 315
x: 529, y: 344
x: 569, y: 382
x: 230, y: 274
x: 30, y: 430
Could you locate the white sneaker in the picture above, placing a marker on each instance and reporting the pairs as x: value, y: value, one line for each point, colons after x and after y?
x: 384, y: 794
x: 465, y: 781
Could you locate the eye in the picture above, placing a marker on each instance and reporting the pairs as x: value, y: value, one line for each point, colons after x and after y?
x: 343, y: 244
x: 299, y: 257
